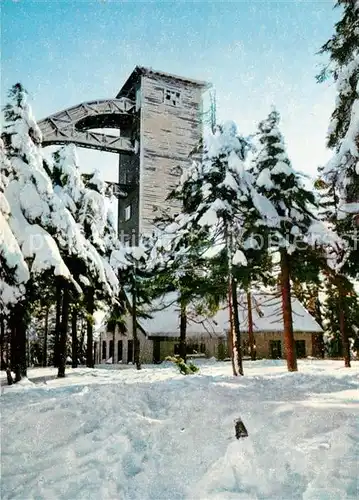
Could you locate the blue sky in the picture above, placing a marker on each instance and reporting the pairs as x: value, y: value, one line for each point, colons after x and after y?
x: 255, y: 53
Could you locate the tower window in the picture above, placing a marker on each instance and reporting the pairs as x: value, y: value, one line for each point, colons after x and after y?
x: 128, y: 212
x: 172, y: 97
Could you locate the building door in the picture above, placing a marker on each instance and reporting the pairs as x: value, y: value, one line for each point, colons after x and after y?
x: 119, y: 350
x: 104, y: 350
x: 130, y: 351
x: 300, y: 348
x: 157, y: 351
x: 95, y: 348
x: 275, y: 349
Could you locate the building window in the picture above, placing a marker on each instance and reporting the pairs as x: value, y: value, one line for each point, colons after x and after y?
x: 104, y: 349
x: 191, y: 349
x: 119, y: 350
x: 172, y: 97
x: 300, y: 348
x: 130, y: 351
x: 128, y: 212
x: 275, y: 349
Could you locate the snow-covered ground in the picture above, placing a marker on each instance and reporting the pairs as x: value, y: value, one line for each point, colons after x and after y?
x: 114, y: 433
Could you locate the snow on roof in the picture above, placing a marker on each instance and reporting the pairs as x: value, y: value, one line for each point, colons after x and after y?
x: 267, y: 317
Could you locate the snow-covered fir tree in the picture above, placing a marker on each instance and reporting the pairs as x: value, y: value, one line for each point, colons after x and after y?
x: 343, y: 134
x: 35, y: 215
x: 222, y: 206
x: 295, y: 205
x: 85, y: 197
x: 14, y: 272
x: 180, y: 267
x: 340, y: 177
x: 52, y: 242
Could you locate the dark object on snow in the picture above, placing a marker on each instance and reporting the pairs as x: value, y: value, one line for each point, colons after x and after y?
x: 10, y: 380
x: 241, y: 431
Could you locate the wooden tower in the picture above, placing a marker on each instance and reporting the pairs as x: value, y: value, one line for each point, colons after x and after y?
x: 168, y: 125
x: 159, y: 117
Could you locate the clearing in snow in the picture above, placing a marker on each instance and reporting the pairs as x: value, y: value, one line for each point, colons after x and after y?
x: 113, y: 433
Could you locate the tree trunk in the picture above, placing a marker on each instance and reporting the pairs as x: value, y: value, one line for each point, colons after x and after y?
x: 232, y: 333
x: 342, y: 323
x: 44, y: 353
x: 2, y: 344
x: 57, y: 323
x: 114, y: 345
x: 74, y: 354
x: 90, y: 310
x: 63, y: 333
x: 234, y: 355
x: 136, y: 343
x: 10, y: 380
x: 13, y: 342
x: 287, y: 312
x: 237, y: 331
x: 252, y: 346
x: 18, y: 342
x: 183, y: 331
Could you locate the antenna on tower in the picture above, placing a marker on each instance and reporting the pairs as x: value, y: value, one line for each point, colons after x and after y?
x: 210, y: 116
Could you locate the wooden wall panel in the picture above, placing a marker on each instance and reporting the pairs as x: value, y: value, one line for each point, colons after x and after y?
x: 168, y: 135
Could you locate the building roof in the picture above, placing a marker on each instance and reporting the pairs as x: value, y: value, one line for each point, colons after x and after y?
x: 267, y: 317
x: 140, y: 70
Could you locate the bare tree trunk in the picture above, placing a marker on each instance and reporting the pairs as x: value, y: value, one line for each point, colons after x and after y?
x: 252, y: 346
x: 287, y: 312
x: 232, y: 334
x: 90, y: 310
x: 10, y: 380
x: 44, y: 353
x: 183, y: 331
x: 342, y: 323
x: 74, y: 354
x: 2, y: 344
x: 13, y: 342
x: 231, y: 328
x: 57, y: 323
x: 237, y: 331
x: 18, y: 342
x: 136, y: 343
x: 63, y: 333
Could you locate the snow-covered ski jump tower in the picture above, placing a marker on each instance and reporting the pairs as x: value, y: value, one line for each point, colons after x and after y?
x: 159, y: 118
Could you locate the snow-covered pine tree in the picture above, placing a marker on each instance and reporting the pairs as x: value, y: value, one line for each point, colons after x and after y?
x: 336, y: 309
x: 341, y: 174
x: 340, y: 264
x: 44, y: 227
x: 14, y: 272
x: 85, y: 198
x: 295, y: 205
x: 35, y: 214
x: 180, y: 267
x: 221, y: 206
x: 342, y: 171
